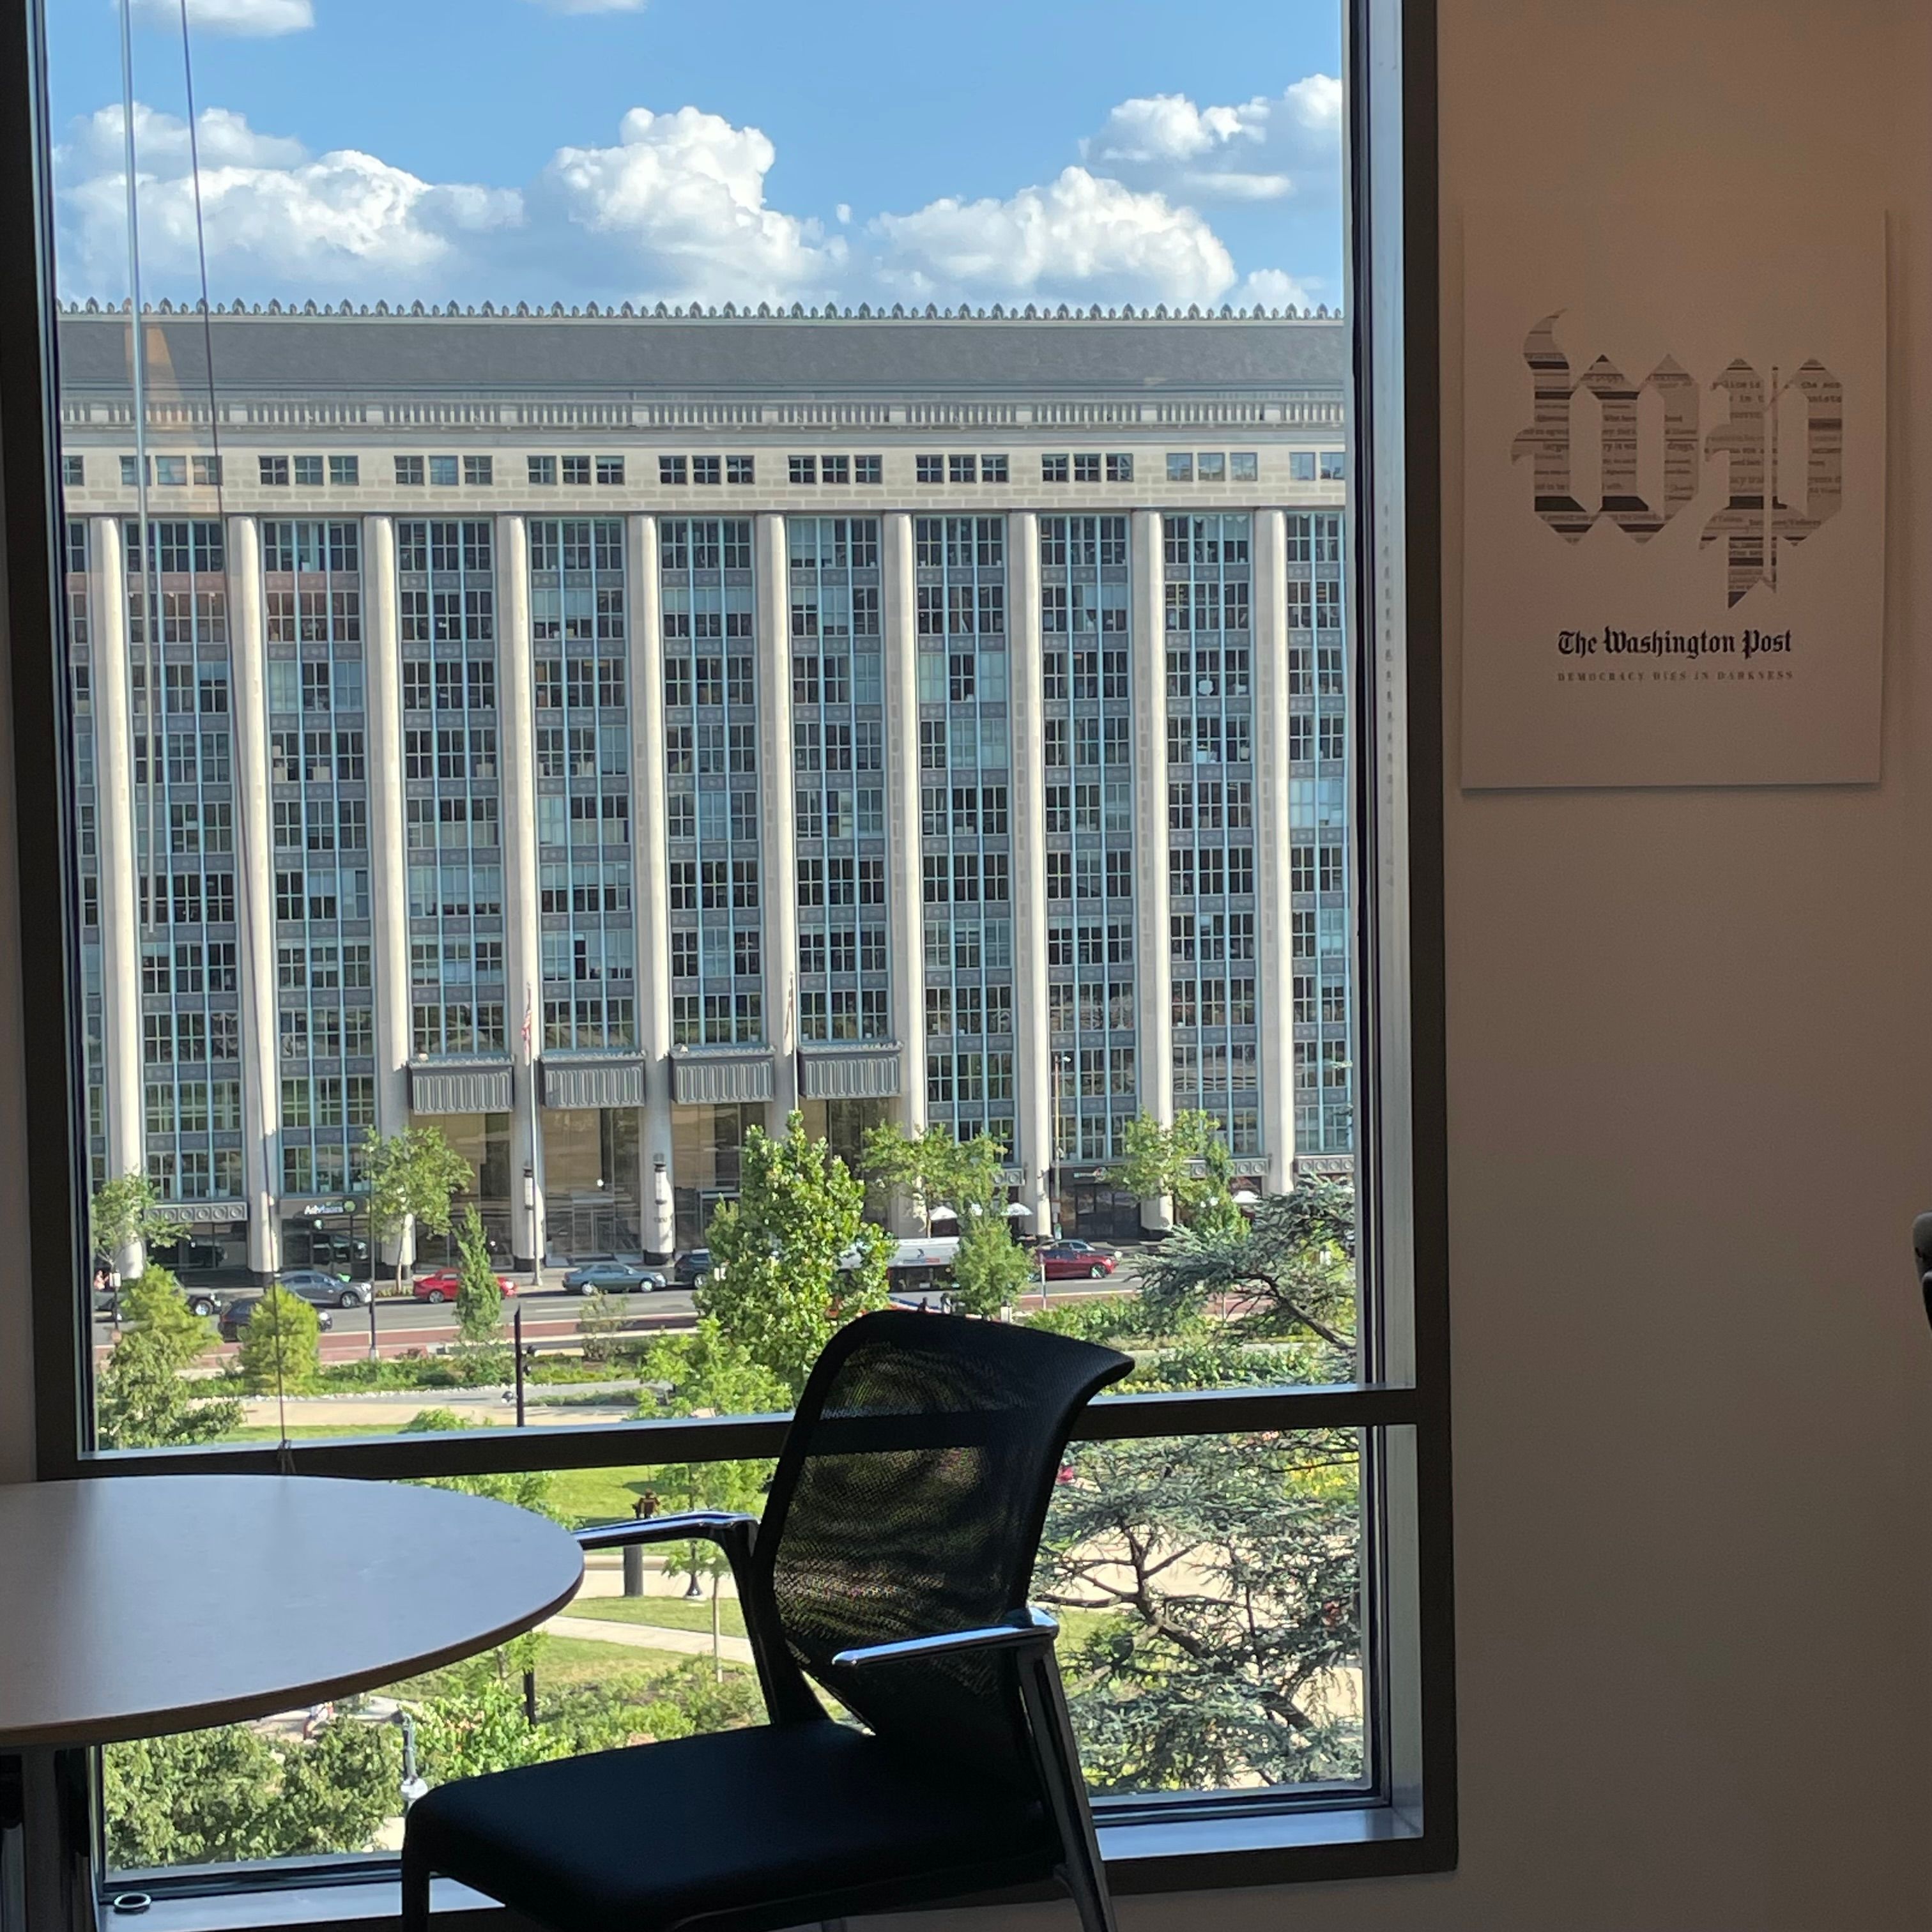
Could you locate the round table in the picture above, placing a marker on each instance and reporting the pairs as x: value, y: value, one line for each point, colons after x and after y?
x: 133, y: 1605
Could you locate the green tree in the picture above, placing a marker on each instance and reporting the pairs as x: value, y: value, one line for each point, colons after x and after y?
x: 599, y: 1322
x: 413, y: 1177
x: 142, y: 1399
x: 1288, y: 1273
x: 479, y: 1295
x: 218, y: 1796
x: 709, y: 1374
x: 1170, y: 1161
x: 281, y: 1349
x: 932, y: 1170
x: 793, y: 1258
x: 992, y: 1270
x: 128, y: 1211
x: 1221, y: 1581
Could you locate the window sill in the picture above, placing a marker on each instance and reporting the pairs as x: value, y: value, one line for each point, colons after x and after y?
x: 1194, y: 1855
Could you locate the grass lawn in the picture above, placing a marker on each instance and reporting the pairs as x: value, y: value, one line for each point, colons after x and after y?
x: 689, y: 1613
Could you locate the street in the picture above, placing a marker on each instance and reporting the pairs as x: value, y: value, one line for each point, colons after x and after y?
x: 550, y: 1317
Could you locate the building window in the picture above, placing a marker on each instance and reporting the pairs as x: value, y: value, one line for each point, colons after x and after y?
x: 478, y: 470
x: 345, y: 472
x: 410, y: 469
x: 542, y: 470
x: 610, y: 470
x: 1179, y: 467
x: 274, y: 471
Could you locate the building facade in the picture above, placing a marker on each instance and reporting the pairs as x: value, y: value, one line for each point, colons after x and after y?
x: 599, y: 736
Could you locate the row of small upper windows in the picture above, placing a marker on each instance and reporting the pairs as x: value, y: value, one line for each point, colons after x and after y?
x: 1304, y: 465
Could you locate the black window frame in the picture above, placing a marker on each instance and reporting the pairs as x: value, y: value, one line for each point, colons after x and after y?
x: 1402, y: 1406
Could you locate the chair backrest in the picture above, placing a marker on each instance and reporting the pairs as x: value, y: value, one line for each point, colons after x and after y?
x: 908, y: 1501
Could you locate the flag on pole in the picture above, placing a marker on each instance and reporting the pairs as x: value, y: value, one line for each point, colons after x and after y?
x: 528, y: 1015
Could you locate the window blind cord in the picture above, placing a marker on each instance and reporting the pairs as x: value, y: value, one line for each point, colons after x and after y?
x: 285, y: 1457
x: 137, y: 356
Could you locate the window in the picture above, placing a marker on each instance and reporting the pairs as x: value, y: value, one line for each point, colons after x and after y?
x: 983, y: 871
x: 274, y: 472
x: 207, y: 471
x: 1334, y: 466
x: 73, y: 472
x: 345, y: 472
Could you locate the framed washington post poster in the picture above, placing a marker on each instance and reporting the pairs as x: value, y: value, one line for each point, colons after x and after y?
x: 1674, y: 493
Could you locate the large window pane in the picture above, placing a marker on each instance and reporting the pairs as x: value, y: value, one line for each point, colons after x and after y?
x: 580, y: 650
x: 1209, y: 1589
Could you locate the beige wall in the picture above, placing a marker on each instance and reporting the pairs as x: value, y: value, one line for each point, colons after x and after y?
x: 1691, y: 1114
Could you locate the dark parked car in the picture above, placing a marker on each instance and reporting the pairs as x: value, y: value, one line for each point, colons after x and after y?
x: 321, y: 1289
x: 1063, y: 1261
x: 236, y: 1317
x: 611, y: 1278
x: 690, y: 1268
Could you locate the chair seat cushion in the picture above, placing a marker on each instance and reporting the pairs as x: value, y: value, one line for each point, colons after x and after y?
x: 758, y: 1827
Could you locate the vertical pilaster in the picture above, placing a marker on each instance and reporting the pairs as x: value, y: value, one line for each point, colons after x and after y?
x: 1153, y: 969
x: 1033, y: 1040
x: 1274, y: 991
x: 121, y: 1076
x: 255, y: 899
x: 903, y: 892
x: 389, y: 854
x: 516, y: 726
x: 778, y: 838
x: 650, y: 883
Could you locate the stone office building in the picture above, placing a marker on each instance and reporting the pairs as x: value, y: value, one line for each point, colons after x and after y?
x: 600, y: 735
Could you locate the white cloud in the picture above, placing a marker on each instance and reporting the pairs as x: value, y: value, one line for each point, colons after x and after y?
x: 682, y: 197
x: 258, y: 18
x: 1080, y: 236
x: 675, y: 210
x: 1265, y: 149
x: 1273, y: 289
x: 343, y: 223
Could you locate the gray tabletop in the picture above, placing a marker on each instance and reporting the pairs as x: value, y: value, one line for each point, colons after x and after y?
x: 133, y: 1605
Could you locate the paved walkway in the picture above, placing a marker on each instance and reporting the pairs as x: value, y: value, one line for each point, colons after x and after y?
x: 649, y: 1637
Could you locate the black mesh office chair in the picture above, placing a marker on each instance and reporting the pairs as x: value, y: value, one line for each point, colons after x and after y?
x: 891, y: 1566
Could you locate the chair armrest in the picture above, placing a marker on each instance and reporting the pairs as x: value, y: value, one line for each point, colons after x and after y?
x: 1025, y: 1629
x: 718, y: 1526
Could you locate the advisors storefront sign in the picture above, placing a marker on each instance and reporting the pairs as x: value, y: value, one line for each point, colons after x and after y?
x: 1674, y: 470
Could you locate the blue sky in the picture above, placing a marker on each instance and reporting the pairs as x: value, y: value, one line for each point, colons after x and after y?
x: 880, y: 151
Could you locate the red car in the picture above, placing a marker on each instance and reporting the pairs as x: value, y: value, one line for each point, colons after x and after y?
x: 443, y: 1285
x: 1067, y: 1261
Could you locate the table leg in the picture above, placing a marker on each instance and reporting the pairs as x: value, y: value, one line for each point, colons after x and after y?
x: 46, y: 1842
